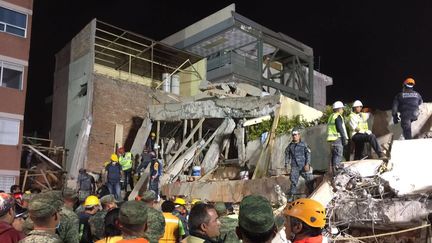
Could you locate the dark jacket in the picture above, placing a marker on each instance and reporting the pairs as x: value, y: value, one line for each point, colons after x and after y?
x: 298, y: 154
x: 9, y: 234
x: 407, y: 103
x: 113, y: 172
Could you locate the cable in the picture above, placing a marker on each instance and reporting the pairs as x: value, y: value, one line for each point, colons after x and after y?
x: 384, y: 234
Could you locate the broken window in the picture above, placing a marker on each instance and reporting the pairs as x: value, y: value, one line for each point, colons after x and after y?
x: 11, y: 75
x: 13, y: 22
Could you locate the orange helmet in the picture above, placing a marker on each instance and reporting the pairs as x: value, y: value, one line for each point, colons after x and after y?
x: 409, y: 82
x: 307, y: 210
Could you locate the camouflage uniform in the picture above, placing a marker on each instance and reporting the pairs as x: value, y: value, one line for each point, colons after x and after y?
x: 133, y: 213
x: 40, y: 206
x: 97, y: 221
x: 228, y: 225
x: 256, y: 215
x: 156, y: 225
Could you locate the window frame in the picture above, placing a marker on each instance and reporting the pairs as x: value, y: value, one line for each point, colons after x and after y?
x: 17, y: 122
x: 12, y: 66
x: 15, y: 26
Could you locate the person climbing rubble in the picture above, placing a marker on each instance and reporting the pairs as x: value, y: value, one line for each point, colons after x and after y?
x: 407, y: 104
x: 305, y: 220
x: 298, y: 156
x: 360, y: 133
x: 126, y: 162
x: 336, y: 135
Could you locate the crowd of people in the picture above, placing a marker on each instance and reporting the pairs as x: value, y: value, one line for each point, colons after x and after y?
x: 59, y: 216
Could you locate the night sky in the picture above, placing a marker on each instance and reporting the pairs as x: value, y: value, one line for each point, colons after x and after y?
x: 368, y: 47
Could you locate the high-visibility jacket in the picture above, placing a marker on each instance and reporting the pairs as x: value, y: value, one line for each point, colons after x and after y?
x: 126, y: 161
x: 172, y: 225
x: 358, y: 121
x: 332, y: 133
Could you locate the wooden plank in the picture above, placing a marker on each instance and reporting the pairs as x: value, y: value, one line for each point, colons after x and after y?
x: 184, y: 129
x: 241, y: 148
x: 43, y: 156
x: 142, y: 182
x: 40, y: 184
x: 141, y: 138
x: 186, y: 141
x: 46, y: 179
x: 118, y: 136
x: 191, y: 127
x: 24, y: 181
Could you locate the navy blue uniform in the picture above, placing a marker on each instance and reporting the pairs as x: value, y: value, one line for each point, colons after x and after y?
x: 298, y: 154
x: 407, y: 103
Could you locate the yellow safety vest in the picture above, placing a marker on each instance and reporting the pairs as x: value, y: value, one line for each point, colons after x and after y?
x: 171, y: 228
x: 362, y: 122
x: 332, y: 133
x: 126, y: 161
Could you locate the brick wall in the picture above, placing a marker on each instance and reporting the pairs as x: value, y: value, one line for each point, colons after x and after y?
x: 115, y: 101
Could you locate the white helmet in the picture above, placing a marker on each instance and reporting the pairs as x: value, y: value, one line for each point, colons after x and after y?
x: 357, y: 103
x: 337, y: 105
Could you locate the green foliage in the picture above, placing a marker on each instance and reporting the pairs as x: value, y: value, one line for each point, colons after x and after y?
x: 286, y: 124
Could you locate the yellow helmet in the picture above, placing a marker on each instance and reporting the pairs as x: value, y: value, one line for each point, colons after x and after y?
x: 91, y: 201
x: 180, y: 201
x: 195, y: 201
x: 152, y: 134
x: 307, y: 210
x: 114, y: 157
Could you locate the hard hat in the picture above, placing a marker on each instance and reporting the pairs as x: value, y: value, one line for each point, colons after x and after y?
x: 195, y: 201
x: 91, y: 201
x: 121, y: 150
x: 357, y: 103
x: 409, y: 82
x: 114, y: 157
x: 180, y: 201
x: 152, y: 134
x: 337, y: 105
x: 307, y: 210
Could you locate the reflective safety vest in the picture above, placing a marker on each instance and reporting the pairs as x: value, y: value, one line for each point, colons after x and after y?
x: 332, y: 133
x: 358, y: 121
x: 172, y: 224
x: 126, y: 161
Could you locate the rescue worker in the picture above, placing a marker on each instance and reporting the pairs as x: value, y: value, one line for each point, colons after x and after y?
x: 85, y: 184
x: 96, y: 222
x: 44, y: 213
x: 150, y: 143
x: 298, y: 155
x: 204, y: 224
x: 256, y: 220
x: 174, y: 230
x: 336, y: 135
x: 7, y: 215
x: 228, y: 224
x: 155, y: 172
x: 126, y: 162
x: 305, y: 219
x: 407, y: 104
x: 149, y: 198
x: 360, y: 133
x: 113, y: 176
x: 91, y: 205
x: 133, y: 222
x: 182, y: 213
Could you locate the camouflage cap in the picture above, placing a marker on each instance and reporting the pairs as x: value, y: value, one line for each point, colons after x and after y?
x: 156, y: 225
x: 55, y: 196
x: 256, y: 214
x: 220, y: 208
x: 108, y: 199
x: 133, y: 212
x: 42, y: 206
x: 149, y: 196
x: 69, y: 193
x: 6, y: 203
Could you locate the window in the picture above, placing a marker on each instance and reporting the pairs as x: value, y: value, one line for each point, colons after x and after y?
x: 9, y: 131
x: 13, y: 22
x: 11, y: 75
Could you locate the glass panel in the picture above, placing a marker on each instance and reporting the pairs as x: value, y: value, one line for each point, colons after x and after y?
x: 14, y: 30
x: 12, y: 17
x: 12, y: 78
x: 9, y: 131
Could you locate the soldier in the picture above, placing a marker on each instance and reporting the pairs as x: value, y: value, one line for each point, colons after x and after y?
x: 298, y: 155
x: 256, y: 220
x: 70, y: 198
x: 96, y: 221
x: 44, y: 213
x: 92, y: 206
x: 204, y: 224
x: 149, y: 198
x: 228, y: 224
x: 156, y: 225
x: 112, y: 230
x: 133, y: 222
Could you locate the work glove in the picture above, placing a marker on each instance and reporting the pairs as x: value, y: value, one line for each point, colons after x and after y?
x: 396, y: 119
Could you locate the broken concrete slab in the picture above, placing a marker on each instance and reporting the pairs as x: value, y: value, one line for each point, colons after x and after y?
x: 410, y: 159
x: 141, y: 137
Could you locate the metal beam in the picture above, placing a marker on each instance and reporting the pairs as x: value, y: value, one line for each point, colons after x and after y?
x: 284, y: 88
x: 137, y: 55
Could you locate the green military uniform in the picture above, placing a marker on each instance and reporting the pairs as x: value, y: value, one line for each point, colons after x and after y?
x: 155, y: 224
x: 133, y: 213
x: 97, y: 221
x: 228, y: 225
x: 68, y: 229
x: 41, y: 206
